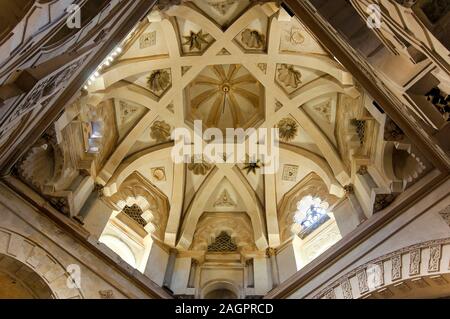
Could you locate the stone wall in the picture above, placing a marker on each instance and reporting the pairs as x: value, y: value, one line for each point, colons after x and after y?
x: 58, y: 256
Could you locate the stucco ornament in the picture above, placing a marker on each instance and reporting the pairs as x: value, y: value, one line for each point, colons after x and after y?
x: 196, y: 40
x: 158, y: 81
x: 252, y: 164
x: 252, y: 39
x: 288, y: 129
x: 160, y: 131
x: 199, y: 166
x: 289, y: 76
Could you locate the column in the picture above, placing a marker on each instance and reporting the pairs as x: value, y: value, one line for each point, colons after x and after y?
x: 271, y: 253
x: 262, y: 274
x: 170, y: 267
x: 348, y: 213
x: 95, y: 214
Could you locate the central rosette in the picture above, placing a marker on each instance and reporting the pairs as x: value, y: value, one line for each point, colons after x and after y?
x: 225, y: 96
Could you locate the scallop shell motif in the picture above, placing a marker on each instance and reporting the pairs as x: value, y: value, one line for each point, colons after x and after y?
x: 38, y: 168
x: 297, y: 37
x: 199, y: 168
x: 289, y: 76
x: 159, y: 174
x: 252, y: 39
x: 288, y: 129
x: 158, y: 81
x: 160, y: 131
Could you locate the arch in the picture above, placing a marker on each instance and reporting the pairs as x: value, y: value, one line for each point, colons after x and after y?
x: 197, y: 206
x: 136, y: 190
x: 237, y: 226
x: 19, y: 281
x: 220, y: 286
x: 317, y: 164
x: 40, y: 261
x: 312, y: 185
x: 133, y: 163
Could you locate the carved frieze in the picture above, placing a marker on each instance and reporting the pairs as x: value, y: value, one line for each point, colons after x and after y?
x: 106, y: 294
x: 362, y: 281
x: 224, y: 200
x: 445, y: 214
x: 330, y: 294
x: 435, y: 258
x: 414, y: 262
x: 396, y: 271
x: 346, y: 289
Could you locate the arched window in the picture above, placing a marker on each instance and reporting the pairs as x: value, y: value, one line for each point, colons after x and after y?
x: 311, y: 213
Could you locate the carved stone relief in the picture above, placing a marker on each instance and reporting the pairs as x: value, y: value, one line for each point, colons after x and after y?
x: 159, y: 81
x: 106, y: 294
x: 147, y: 40
x: 290, y: 173
x: 159, y: 173
x: 435, y: 258
x: 346, y: 289
x: 396, y: 272
x: 375, y: 276
x: 196, y: 40
x: 324, y: 109
x: 222, y: 6
x: 288, y: 129
x: 253, y: 39
x: 199, y: 167
x: 288, y: 76
x: 160, y: 131
x: 445, y: 214
x: 224, y: 200
x: 236, y: 226
x: 414, y: 262
x: 362, y: 281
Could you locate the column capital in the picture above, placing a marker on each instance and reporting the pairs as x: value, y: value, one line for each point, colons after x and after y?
x: 362, y: 170
x: 270, y: 251
x: 98, y: 188
x: 349, y: 189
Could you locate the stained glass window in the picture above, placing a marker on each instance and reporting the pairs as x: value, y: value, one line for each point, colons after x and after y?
x: 311, y: 213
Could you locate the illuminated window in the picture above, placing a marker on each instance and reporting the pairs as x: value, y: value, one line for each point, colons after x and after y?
x: 93, y: 134
x: 311, y: 213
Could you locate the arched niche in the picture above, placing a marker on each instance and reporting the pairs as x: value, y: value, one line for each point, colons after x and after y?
x: 220, y: 290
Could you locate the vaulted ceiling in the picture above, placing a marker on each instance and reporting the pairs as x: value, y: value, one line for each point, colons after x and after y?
x: 231, y: 64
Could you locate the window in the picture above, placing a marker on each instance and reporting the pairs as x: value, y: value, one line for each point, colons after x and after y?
x: 311, y: 213
x: 223, y: 243
x: 93, y: 134
x: 135, y: 213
